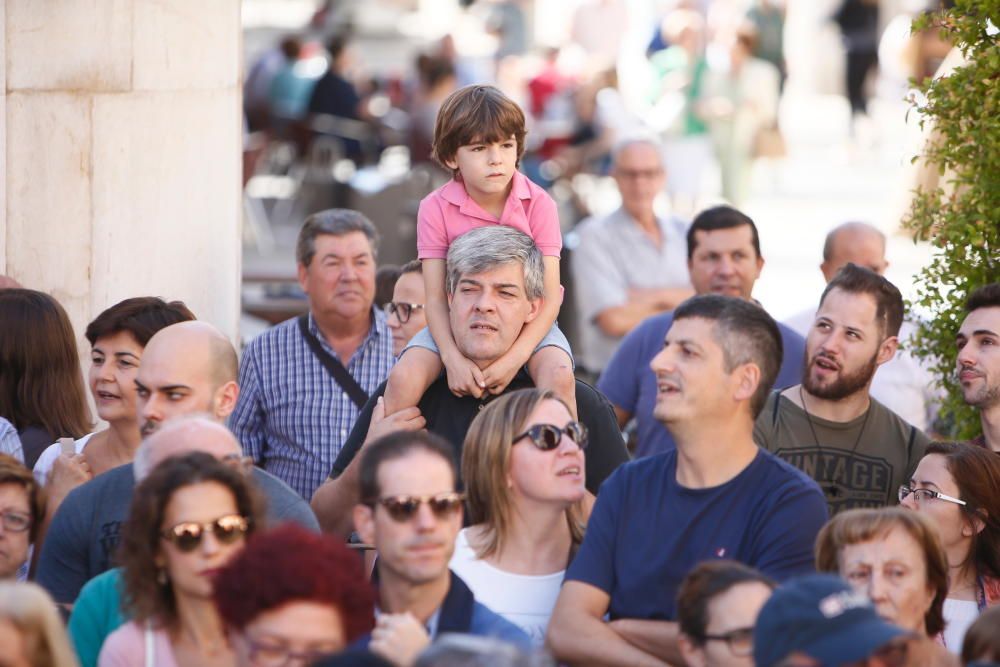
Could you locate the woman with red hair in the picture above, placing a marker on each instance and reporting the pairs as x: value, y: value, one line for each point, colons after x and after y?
x: 292, y: 596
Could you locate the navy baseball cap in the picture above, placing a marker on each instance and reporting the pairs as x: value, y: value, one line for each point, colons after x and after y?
x: 822, y: 616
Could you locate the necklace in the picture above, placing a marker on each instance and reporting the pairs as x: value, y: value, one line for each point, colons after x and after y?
x: 831, y: 490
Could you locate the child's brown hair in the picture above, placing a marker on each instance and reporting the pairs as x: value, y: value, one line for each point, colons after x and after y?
x: 476, y: 114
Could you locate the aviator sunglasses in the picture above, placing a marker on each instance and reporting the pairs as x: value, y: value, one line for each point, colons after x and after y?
x: 404, y: 508
x: 187, y: 535
x: 547, y: 437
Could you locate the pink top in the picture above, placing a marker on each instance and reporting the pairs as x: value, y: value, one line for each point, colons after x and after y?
x: 449, y: 212
x: 126, y: 647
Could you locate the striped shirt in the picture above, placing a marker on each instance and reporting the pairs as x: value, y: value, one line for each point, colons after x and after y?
x: 292, y: 417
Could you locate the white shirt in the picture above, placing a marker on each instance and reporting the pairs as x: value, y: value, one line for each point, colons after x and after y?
x: 958, y: 616
x: 524, y: 600
x: 43, y: 466
x: 902, y: 384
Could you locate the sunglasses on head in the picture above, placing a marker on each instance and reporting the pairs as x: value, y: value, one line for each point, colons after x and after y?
x: 187, y: 535
x: 547, y: 437
x: 404, y: 508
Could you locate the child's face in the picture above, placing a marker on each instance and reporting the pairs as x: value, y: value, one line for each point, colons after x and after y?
x: 486, y: 168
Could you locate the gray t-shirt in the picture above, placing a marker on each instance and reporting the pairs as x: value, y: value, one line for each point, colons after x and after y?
x: 85, y: 530
x: 859, y: 463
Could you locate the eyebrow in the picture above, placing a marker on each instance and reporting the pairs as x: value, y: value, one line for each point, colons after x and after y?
x: 690, y: 342
x: 164, y: 388
x: 126, y: 354
x: 924, y: 482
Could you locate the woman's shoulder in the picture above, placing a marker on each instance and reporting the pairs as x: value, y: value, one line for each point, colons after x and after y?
x: 127, y: 646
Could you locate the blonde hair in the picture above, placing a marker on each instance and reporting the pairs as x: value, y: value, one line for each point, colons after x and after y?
x: 30, y: 609
x: 486, y: 466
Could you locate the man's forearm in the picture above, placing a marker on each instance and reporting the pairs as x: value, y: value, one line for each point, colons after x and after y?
x: 333, y: 500
x: 658, y: 638
x: 581, y: 640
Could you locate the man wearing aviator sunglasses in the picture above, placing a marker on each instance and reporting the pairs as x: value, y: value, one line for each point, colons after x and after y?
x: 411, y: 513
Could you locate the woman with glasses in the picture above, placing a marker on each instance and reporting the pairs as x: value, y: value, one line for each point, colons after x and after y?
x: 717, y: 607
x: 895, y: 558
x: 523, y: 466
x: 188, y: 518
x: 405, y: 313
x: 21, y: 511
x: 292, y: 596
x: 957, y: 487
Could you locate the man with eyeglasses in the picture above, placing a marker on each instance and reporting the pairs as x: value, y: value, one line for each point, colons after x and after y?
x: 405, y: 313
x: 186, y: 369
x: 717, y: 495
x: 305, y: 380
x: 978, y: 361
x: 717, y: 607
x: 630, y: 264
x: 410, y: 512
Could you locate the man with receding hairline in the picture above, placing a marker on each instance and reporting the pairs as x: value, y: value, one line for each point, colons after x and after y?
x: 903, y: 384
x: 186, y: 368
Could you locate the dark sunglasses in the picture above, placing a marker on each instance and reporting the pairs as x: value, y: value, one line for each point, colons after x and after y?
x: 402, y: 310
x: 186, y: 536
x: 547, y: 437
x: 404, y: 508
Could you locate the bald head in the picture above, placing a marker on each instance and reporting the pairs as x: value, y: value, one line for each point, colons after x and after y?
x: 184, y: 434
x: 187, y: 367
x: 856, y: 243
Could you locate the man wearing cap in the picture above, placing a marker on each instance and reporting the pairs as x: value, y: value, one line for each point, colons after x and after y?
x: 819, y: 619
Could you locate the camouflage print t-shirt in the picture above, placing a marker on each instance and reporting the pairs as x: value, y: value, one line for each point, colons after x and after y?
x: 859, y: 463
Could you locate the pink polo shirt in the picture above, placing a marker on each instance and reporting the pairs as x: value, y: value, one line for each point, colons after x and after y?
x: 449, y: 212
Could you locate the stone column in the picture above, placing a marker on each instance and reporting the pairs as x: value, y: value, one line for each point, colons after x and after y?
x: 121, y: 152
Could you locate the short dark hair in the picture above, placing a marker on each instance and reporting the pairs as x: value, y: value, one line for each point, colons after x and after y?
x: 856, y: 279
x: 413, y: 266
x: 746, y: 334
x: 291, y: 564
x: 336, y: 222
x: 395, y: 446
x: 720, y: 217
x: 141, y: 316
x: 987, y: 296
x: 703, y: 584
x: 476, y: 113
x: 336, y: 44
x: 385, y: 283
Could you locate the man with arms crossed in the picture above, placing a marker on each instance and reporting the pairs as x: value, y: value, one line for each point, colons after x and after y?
x: 717, y: 495
x: 859, y: 451
x: 978, y: 361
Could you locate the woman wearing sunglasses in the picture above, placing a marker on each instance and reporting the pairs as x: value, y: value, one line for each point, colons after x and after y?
x: 957, y: 487
x: 189, y: 517
x: 523, y: 466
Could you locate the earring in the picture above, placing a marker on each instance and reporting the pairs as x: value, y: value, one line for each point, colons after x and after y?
x: 161, y: 577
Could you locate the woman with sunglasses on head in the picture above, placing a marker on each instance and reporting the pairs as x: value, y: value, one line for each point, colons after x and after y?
x: 957, y: 486
x: 189, y: 517
x: 523, y: 467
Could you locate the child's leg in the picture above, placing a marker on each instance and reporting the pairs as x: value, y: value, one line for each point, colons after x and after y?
x: 551, y: 368
x: 415, y: 371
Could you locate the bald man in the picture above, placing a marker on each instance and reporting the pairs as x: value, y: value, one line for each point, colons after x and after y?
x: 186, y: 368
x: 902, y: 384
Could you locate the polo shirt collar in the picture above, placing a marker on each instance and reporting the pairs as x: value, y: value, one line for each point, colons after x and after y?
x: 454, y: 192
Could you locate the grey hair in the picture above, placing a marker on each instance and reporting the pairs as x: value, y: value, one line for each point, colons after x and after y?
x: 334, y: 221
x: 636, y: 140
x: 485, y: 248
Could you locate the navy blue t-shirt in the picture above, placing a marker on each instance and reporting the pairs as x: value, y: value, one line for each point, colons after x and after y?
x: 630, y: 385
x: 647, y: 531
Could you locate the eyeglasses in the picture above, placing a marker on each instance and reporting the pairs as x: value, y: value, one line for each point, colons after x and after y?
x: 402, y: 310
x: 264, y: 654
x: 547, y: 437
x: 15, y: 522
x: 404, y: 508
x: 740, y: 640
x: 921, y: 495
x: 187, y: 536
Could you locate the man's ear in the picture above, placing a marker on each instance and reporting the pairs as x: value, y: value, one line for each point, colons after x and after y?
x: 693, y: 655
x: 225, y: 399
x: 887, y: 350
x: 303, y: 276
x: 747, y: 381
x: 364, y: 523
x: 535, y: 308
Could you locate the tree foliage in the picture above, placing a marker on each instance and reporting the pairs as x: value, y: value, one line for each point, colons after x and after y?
x: 961, y: 216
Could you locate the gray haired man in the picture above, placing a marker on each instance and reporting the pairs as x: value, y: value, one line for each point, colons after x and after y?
x: 305, y: 380
x: 494, y: 285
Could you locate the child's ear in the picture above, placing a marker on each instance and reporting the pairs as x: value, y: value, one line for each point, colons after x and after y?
x: 451, y: 164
